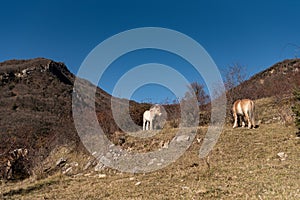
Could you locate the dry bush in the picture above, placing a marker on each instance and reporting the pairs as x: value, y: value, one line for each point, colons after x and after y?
x: 106, y: 122
x: 296, y: 109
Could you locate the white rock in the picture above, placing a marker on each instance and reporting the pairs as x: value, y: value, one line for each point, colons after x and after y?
x: 138, y: 183
x: 74, y: 164
x: 282, y: 156
x: 152, y: 161
x: 99, y: 167
x: 61, y: 162
x: 182, y: 138
x: 67, y: 170
x: 102, y: 175
x: 166, y: 145
x: 88, y: 164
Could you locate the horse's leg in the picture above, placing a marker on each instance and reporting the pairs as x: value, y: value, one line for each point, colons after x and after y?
x: 252, y: 117
x: 151, y: 124
x: 243, y: 121
x: 144, y: 121
x: 253, y: 122
x: 248, y: 120
x: 235, y: 120
x: 147, y: 125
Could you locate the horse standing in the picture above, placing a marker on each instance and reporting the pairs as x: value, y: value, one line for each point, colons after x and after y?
x: 149, y: 116
x: 244, y: 108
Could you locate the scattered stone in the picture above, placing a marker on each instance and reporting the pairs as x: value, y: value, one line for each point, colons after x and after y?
x: 101, y: 175
x: 99, y: 167
x: 68, y: 170
x: 201, y: 191
x: 138, y: 183
x: 91, y: 162
x: 152, y: 161
x: 74, y: 164
x: 166, y: 145
x: 88, y: 174
x: 79, y: 174
x: 282, y: 156
x: 88, y: 164
x: 61, y: 162
x: 182, y: 138
x: 131, y: 178
x: 161, y: 144
x: 199, y: 140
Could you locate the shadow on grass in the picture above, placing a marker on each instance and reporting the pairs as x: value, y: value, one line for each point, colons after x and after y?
x: 27, y: 190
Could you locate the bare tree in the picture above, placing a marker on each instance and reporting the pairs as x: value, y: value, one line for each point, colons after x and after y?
x: 203, y: 99
x: 234, y: 75
x: 200, y: 93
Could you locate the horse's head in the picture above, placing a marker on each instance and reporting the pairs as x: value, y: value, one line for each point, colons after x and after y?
x: 155, y: 110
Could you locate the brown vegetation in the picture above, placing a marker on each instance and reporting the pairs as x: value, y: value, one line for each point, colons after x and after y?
x: 243, y: 165
x: 36, y: 113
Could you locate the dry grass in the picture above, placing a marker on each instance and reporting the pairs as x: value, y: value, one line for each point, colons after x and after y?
x: 243, y: 165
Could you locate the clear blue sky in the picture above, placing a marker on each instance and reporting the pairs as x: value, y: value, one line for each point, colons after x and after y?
x: 256, y: 34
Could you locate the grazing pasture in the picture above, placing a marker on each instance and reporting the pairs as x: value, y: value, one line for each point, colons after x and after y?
x: 244, y: 164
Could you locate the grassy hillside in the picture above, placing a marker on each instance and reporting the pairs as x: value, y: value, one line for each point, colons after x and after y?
x: 243, y: 165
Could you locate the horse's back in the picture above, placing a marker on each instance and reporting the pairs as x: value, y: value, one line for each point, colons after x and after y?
x: 242, y: 106
x: 247, y: 104
x: 146, y: 115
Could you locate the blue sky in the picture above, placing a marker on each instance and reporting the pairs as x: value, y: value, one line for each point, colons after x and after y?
x: 255, y: 34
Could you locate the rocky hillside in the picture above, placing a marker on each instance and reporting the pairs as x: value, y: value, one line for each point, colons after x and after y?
x: 278, y: 80
x: 35, y: 99
x: 36, y: 108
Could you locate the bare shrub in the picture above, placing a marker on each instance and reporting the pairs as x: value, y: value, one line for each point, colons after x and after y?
x: 189, y: 115
x: 200, y: 94
x: 234, y: 75
x: 296, y: 109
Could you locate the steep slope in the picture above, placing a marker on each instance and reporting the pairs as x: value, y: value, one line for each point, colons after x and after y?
x: 36, y: 108
x: 35, y: 99
x: 278, y: 80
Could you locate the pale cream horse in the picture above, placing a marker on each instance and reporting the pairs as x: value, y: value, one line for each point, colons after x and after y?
x: 149, y: 116
x: 244, y: 108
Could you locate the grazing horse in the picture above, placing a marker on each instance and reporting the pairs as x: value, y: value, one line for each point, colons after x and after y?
x: 149, y: 116
x: 243, y: 108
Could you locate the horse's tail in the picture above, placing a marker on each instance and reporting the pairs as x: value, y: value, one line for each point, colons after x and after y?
x: 251, y: 113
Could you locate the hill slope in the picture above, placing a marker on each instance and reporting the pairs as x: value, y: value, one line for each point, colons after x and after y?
x: 36, y: 107
x: 36, y: 103
x: 278, y: 80
x: 244, y: 164
x: 35, y: 98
